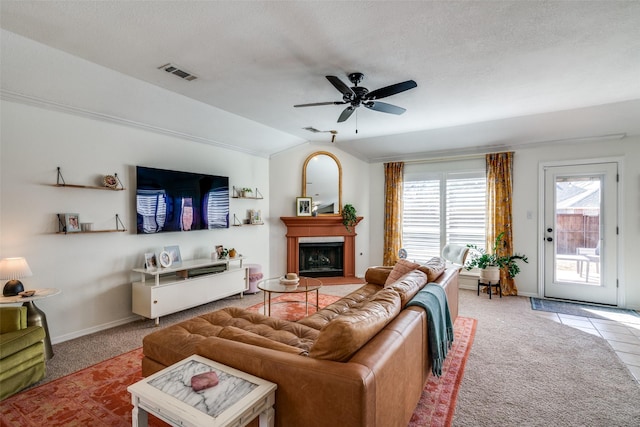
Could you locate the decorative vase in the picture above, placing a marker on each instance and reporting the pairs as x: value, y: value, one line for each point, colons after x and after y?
x: 490, y: 275
x: 232, y: 253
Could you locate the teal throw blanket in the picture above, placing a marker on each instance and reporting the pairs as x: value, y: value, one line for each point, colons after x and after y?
x: 433, y: 299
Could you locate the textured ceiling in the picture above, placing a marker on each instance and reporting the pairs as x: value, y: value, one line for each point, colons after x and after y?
x: 489, y: 73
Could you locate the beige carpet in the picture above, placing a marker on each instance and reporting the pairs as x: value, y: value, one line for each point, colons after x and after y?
x: 526, y: 370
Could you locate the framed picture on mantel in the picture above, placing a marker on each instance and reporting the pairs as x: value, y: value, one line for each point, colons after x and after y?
x: 303, y: 206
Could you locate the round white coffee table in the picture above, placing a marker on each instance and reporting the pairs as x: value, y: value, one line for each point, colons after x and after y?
x: 273, y: 286
x: 35, y: 316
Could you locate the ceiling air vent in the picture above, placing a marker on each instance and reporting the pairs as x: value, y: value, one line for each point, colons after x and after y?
x: 176, y: 71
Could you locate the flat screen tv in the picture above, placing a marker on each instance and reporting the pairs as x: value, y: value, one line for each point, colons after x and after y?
x: 169, y: 200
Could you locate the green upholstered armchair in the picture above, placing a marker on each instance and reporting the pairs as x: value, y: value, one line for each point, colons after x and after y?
x: 22, y: 360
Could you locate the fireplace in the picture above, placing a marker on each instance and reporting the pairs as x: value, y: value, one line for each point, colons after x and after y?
x: 321, y: 259
x: 321, y: 230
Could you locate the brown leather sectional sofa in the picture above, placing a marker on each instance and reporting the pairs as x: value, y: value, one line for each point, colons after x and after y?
x: 362, y: 361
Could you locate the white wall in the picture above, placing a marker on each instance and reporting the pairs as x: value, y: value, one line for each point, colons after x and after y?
x: 286, y: 184
x: 94, y: 270
x: 527, y: 237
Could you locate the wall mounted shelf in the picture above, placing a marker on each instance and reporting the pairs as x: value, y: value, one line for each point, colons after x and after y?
x: 117, y: 186
x: 111, y: 183
x: 237, y: 194
x: 238, y: 223
x: 62, y: 227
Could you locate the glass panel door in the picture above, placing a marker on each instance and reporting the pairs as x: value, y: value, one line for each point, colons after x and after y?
x: 580, y: 232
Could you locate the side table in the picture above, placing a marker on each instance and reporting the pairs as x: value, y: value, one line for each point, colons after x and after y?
x: 35, y: 316
x: 489, y: 285
x: 274, y: 286
x: 236, y: 400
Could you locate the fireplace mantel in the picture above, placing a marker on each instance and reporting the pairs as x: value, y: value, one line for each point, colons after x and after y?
x: 318, y: 226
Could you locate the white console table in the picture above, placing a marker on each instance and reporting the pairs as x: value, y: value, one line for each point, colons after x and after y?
x: 185, y: 285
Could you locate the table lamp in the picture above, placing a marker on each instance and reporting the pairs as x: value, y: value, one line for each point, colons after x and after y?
x: 14, y: 269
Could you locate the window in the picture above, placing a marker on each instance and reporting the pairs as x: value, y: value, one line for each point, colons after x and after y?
x: 443, y: 206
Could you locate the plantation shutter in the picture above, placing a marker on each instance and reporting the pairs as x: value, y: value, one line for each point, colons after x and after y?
x: 465, y: 213
x: 443, y: 207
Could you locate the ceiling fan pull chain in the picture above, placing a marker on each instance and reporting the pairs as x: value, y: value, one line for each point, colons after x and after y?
x: 356, y: 121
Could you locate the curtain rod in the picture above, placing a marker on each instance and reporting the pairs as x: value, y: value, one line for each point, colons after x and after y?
x: 447, y: 159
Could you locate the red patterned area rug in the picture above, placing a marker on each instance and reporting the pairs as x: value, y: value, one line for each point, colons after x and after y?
x: 438, y: 401
x: 292, y: 306
x: 97, y: 396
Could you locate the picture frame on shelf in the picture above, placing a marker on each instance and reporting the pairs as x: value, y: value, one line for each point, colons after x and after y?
x: 72, y: 222
x: 174, y: 252
x: 219, y: 249
x: 165, y: 259
x: 303, y: 206
x: 150, y: 261
x: 255, y: 216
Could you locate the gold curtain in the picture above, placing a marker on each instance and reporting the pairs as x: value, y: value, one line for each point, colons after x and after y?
x: 393, y: 179
x: 499, y: 196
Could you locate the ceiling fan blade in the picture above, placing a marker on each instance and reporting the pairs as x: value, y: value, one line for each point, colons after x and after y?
x: 346, y: 113
x: 384, y: 107
x: 315, y: 104
x: 391, y: 90
x: 338, y: 84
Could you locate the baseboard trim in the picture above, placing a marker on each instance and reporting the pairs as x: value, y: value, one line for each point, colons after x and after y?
x: 93, y: 330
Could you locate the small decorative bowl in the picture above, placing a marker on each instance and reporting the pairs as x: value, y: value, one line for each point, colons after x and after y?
x: 26, y: 294
x: 289, y: 283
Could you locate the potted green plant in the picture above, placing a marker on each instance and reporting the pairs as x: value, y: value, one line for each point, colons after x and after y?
x: 349, y: 217
x: 490, y: 264
x: 246, y: 192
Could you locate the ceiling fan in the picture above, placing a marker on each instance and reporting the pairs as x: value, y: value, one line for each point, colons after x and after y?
x: 356, y: 96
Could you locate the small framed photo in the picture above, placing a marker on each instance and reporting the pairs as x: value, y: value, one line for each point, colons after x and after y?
x: 150, y: 261
x: 219, y: 249
x: 303, y: 206
x: 72, y: 222
x: 174, y: 252
x: 165, y: 259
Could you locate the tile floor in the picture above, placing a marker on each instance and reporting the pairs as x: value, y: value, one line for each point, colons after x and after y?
x: 621, y: 331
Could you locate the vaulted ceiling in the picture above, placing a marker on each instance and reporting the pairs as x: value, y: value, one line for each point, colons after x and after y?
x: 489, y: 74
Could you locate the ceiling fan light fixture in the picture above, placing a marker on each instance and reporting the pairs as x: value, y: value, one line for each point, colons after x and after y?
x: 356, y: 96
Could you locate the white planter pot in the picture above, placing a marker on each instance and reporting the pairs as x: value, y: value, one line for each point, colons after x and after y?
x: 490, y: 274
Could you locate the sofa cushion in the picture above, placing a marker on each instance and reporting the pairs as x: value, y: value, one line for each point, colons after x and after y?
x: 283, y: 331
x: 176, y: 342
x: 433, y: 268
x: 409, y: 285
x: 349, y: 331
x: 401, y: 268
x: 240, y: 335
x: 325, y: 315
x: 377, y: 275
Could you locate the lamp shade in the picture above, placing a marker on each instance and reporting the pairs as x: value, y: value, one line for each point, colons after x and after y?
x: 14, y: 268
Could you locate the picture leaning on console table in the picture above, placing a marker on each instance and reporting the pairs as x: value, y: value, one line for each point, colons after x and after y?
x: 187, y: 284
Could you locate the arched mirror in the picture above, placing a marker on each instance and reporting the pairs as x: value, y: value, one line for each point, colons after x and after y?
x: 322, y: 181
